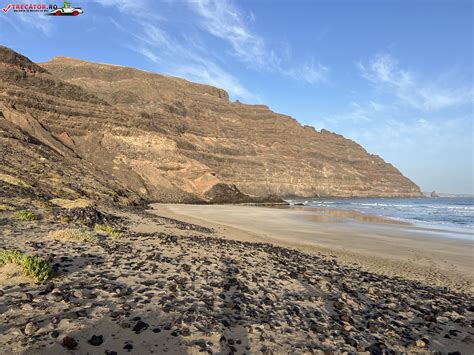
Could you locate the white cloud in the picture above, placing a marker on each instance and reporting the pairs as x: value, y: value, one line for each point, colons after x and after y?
x: 142, y: 9
x: 126, y: 5
x: 178, y: 60
x: 376, y: 106
x: 357, y: 114
x: 384, y: 71
x: 186, y: 54
x: 251, y: 16
x: 224, y: 20
x: 10, y: 22
x: 173, y: 55
x: 212, y: 74
x: 34, y: 20
x: 309, y: 73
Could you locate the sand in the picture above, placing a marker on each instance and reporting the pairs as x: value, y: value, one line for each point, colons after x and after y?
x: 372, y: 243
x: 177, y: 287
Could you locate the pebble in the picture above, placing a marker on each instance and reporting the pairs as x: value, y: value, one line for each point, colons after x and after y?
x: 27, y: 307
x: 420, y: 343
x: 96, y: 340
x: 235, y: 286
x: 140, y: 326
x: 28, y: 297
x: 49, y: 287
x: 81, y: 313
x: 69, y: 342
x: 54, y: 334
x: 31, y: 328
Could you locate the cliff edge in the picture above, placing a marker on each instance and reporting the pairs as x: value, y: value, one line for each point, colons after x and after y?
x: 138, y: 135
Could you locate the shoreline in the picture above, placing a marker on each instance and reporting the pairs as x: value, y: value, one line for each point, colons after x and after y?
x: 372, y: 243
x: 155, y: 281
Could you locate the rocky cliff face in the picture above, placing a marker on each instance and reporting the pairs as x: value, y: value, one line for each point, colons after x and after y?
x: 117, y: 132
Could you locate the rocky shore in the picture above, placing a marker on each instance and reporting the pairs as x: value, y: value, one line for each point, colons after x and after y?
x: 182, y: 288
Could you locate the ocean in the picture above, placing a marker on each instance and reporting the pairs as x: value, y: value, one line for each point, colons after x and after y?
x: 450, y: 214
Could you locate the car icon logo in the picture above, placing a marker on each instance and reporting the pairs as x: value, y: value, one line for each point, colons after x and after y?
x: 66, y: 10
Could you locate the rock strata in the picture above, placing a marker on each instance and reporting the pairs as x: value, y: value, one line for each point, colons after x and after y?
x: 72, y: 129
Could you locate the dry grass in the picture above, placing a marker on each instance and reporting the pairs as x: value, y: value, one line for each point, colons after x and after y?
x: 73, y: 235
x: 42, y: 204
x: 13, y: 181
x: 77, y: 203
x: 109, y: 230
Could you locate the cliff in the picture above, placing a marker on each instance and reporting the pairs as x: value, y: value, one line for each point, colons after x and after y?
x: 112, y: 132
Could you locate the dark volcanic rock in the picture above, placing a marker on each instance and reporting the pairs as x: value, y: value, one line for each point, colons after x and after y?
x: 96, y: 340
x: 140, y: 326
x: 69, y: 342
x: 89, y: 216
x: 226, y: 193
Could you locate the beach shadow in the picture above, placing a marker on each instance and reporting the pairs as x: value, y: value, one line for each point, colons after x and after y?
x: 232, y: 311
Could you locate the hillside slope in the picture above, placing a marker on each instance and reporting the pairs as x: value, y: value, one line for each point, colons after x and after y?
x: 166, y: 139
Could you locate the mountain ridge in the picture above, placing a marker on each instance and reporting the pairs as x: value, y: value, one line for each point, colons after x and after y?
x: 167, y: 139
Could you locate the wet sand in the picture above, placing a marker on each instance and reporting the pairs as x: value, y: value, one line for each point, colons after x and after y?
x: 372, y: 243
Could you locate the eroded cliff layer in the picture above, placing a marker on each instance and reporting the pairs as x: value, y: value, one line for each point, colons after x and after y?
x: 167, y: 139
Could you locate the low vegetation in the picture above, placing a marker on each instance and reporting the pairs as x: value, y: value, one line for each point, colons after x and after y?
x: 43, y: 204
x: 109, y: 230
x: 77, y: 203
x: 4, y: 207
x: 32, y: 266
x: 14, y: 181
x: 74, y: 235
x: 65, y: 219
x: 25, y: 215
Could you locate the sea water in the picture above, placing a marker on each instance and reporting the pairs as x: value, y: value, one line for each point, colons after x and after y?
x: 450, y: 214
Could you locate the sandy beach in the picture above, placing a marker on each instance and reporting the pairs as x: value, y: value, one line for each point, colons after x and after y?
x: 181, y: 279
x: 373, y: 243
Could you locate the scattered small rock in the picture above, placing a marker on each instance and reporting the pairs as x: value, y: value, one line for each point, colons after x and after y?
x: 54, y: 334
x: 31, y: 328
x: 140, y: 326
x: 69, y: 342
x: 96, y: 340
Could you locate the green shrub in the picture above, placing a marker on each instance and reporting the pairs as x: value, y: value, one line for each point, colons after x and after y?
x: 33, y: 266
x: 64, y: 219
x: 109, y: 230
x: 74, y: 235
x: 25, y: 215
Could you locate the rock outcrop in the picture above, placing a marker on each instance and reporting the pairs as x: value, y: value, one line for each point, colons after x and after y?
x: 107, y: 131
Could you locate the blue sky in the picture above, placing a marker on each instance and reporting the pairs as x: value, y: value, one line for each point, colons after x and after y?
x: 395, y: 76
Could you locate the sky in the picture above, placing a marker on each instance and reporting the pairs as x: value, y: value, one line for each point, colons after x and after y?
x: 395, y: 76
